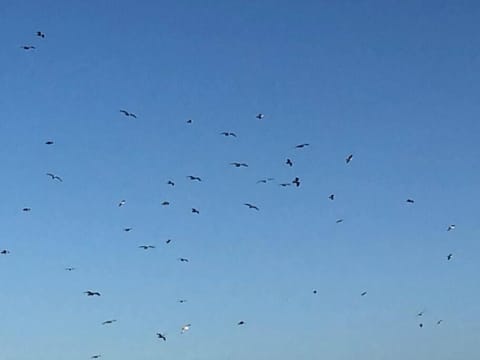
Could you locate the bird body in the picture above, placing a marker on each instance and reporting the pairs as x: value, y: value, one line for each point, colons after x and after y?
x: 165, y: 203
x: 183, y: 259
x: 237, y: 164
x: 332, y: 197
x: 161, y: 336
x: 289, y: 162
x: 26, y: 209
x: 41, y: 34
x: 27, y: 47
x: 91, y: 293
x: 146, y: 247
x: 195, y: 211
x: 451, y: 227
x: 54, y: 177
x: 226, y: 133
x: 5, y: 252
x: 108, y: 322
x: 260, y: 116
x: 251, y: 206
x: 241, y: 323
x: 349, y: 158
x: 69, y: 268
x: 49, y: 142
x: 296, y: 181
x: 410, y: 201
x: 170, y: 182
x: 121, y: 203
x: 127, y: 113
x: 185, y: 328
x: 194, y: 178
x: 363, y: 293
x: 449, y: 256
x: 300, y: 146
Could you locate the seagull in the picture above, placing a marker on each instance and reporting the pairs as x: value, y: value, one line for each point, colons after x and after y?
x: 250, y: 206
x: 146, y: 247
x: 108, y: 322
x: 241, y: 323
x: 126, y: 113
x: 296, y: 181
x: 420, y: 325
x: 91, y: 293
x: 41, y: 34
x: 439, y: 322
x: 170, y: 182
x: 421, y: 313
x: 54, y: 177
x: 127, y: 229
x: 49, y: 142
x: 189, y: 121
x: 26, y: 209
x: 260, y: 116
x: 165, y: 203
x: 363, y: 293
x: 168, y: 241
x: 5, y: 252
x: 332, y: 197
x: 161, y: 336
x: 285, y: 184
x: 181, y: 301
x: 121, y: 203
x: 70, y: 269
x: 185, y: 328
x: 299, y: 146
x: 449, y: 256
x: 95, y: 356
x: 349, y: 158
x: 315, y: 291
x: 182, y: 259
x: 194, y: 178
x: 27, y: 47
x: 236, y: 164
x: 451, y: 227
x: 339, y: 221
x: 225, y: 133
x: 195, y: 211
x: 264, y: 181
x: 410, y: 201
x: 289, y: 162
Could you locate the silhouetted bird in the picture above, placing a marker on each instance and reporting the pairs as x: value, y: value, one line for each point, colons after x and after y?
x: 284, y: 184
x: 296, y: 181
x: 449, y: 256
x: 181, y: 301
x: 420, y: 325
x: 41, y: 34
x: 121, y: 203
x: 55, y: 177
x: 49, y: 142
x: 146, y: 247
x: 236, y: 164
x: 70, y: 269
x: 165, y: 203
x: 349, y: 158
x: 410, y: 201
x: 127, y: 229
x: 5, y: 252
x: 421, y: 313
x: 161, y: 336
x: 127, y: 113
x: 170, y: 182
x: 241, y: 323
x: 195, y: 211
x: 332, y: 197
x: 108, y: 322
x: 315, y: 292
x: 182, y: 259
x: 260, y: 116
x: 95, y: 356
x: 250, y: 206
x: 27, y: 47
x: 189, y: 121
x: 194, y: 178
x: 339, y: 221
x: 439, y: 322
x: 225, y: 133
x: 26, y: 209
x: 168, y: 241
x: 264, y: 181
x: 302, y: 145
x: 363, y: 293
x: 289, y: 162
x: 185, y: 328
x: 91, y: 293
x: 451, y: 227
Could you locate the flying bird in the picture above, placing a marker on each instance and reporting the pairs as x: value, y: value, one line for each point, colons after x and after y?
x: 289, y: 162
x: 49, y: 142
x: 332, y: 197
x: 91, y: 293
x: 439, y: 322
x: 250, y: 206
x: 181, y: 301
x: 421, y: 313
x: 182, y: 259
x: 165, y: 203
x: 189, y: 121
x: 284, y: 184
x: 296, y: 181
x: 26, y: 209
x: 185, y: 328
x: 410, y: 201
x: 349, y: 158
x: 260, y: 116
x: 121, y: 203
x: 170, y: 182
x: 27, y: 47
x: 161, y: 336
x: 420, y: 325
x: 168, y: 241
x: 315, y: 291
x: 195, y: 211
x: 5, y: 252
x: 264, y: 181
x: 127, y: 229
x: 237, y: 164
x: 41, y: 34
x: 146, y: 247
x: 449, y: 256
x: 363, y: 293
x: 54, y: 177
x: 339, y: 221
x: 127, y: 113
x: 108, y: 322
x: 194, y: 178
x: 70, y: 269
x: 451, y: 227
x: 95, y: 356
x: 241, y: 323
x: 225, y: 133
x: 299, y: 146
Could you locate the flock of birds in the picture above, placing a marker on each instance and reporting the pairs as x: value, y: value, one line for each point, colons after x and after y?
x: 296, y: 181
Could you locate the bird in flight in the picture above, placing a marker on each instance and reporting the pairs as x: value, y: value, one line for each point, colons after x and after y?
x: 91, y: 293
x: 363, y: 293
x: 182, y: 259
x: 315, y: 291
x: 165, y: 203
x: 108, y: 322
x: 146, y: 247
x: 451, y: 227
x: 185, y: 328
x: 181, y: 301
x: 241, y: 323
x: 5, y: 252
x: 284, y: 184
x: 289, y: 162
x: 300, y: 146
x: 226, y: 133
x: 95, y: 356
x: 161, y: 336
x: 421, y: 313
x: 49, y: 142
x: 349, y: 158
x: 250, y: 206
x: 410, y: 201
x: 195, y: 211
x: 168, y: 241
x: 41, y: 34
x: 194, y: 178
x: 339, y: 221
x: 260, y: 116
x: 70, y: 268
x: 264, y: 181
x: 420, y: 325
x: 189, y: 121
x: 54, y: 177
x: 332, y: 197
x: 296, y: 181
x: 449, y: 256
x: 170, y: 182
x: 122, y: 202
x: 127, y: 229
x: 439, y: 322
x: 126, y: 113
x: 237, y: 164
x: 26, y: 209
x: 27, y: 47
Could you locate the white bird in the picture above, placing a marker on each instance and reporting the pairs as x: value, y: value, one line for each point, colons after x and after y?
x: 451, y: 227
x: 121, y: 203
x: 185, y: 328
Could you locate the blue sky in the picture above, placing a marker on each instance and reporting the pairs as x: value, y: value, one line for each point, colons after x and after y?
x: 395, y: 83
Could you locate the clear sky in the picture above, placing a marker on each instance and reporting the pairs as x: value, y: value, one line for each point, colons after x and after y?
x: 395, y: 83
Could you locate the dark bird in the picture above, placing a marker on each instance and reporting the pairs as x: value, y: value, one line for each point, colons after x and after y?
x: 349, y: 158
x: 410, y: 201
x: 181, y: 301
x: 126, y: 113
x: 363, y: 293
x: 236, y: 164
x: 451, y: 227
x: 296, y: 181
x: 264, y: 181
x: 339, y: 221
x: 189, y: 121
x: 170, y: 182
x: 121, y: 203
x: 420, y: 325
x: 161, y: 336
x: 195, y: 211
x: 146, y: 247
x: 49, y: 142
x: 54, y: 177
x: 225, y: 133
x: 250, y: 206
x: 127, y: 229
x: 108, y: 322
x: 26, y: 209
x: 299, y: 146
x: 439, y: 322
x: 194, y: 178
x: 315, y: 291
x: 165, y: 203
x: 332, y: 197
x: 449, y: 256
x: 5, y: 252
x: 95, y: 356
x: 182, y: 259
x: 421, y: 313
x: 27, y: 47
x: 41, y: 34
x: 91, y: 293
x: 289, y: 162
x: 241, y: 323
x: 70, y: 269
x: 285, y: 184
x: 168, y: 241
x: 260, y: 116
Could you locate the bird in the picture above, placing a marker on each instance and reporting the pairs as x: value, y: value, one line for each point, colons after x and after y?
x: 181, y: 301
x: 183, y: 259
x: 315, y: 291
x: 410, y: 201
x: 195, y: 211
x: 41, y: 34
x: 449, y: 256
x: 226, y: 133
x: 189, y: 121
x: 91, y: 293
x: 250, y: 206
x: 339, y: 221
x: 439, y: 322
x: 363, y: 293
x: 127, y: 113
x: 185, y: 328
x: 194, y: 178
x: 161, y: 336
x: 284, y: 184
x: 54, y: 177
x: 237, y: 164
x: 260, y: 116
x: 289, y: 162
x: 146, y: 247
x: 296, y: 181
x: 264, y: 181
x: 95, y: 356
x: 165, y: 203
x: 49, y: 142
x: 451, y: 227
x: 108, y: 322
x: 349, y: 158
x: 332, y: 197
x: 127, y: 229
x: 170, y: 182
x: 421, y: 313
x: 168, y: 241
x: 241, y: 323
x: 5, y: 252
x: 299, y: 146
x: 420, y: 325
x: 26, y: 209
x: 70, y: 268
x: 27, y: 47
